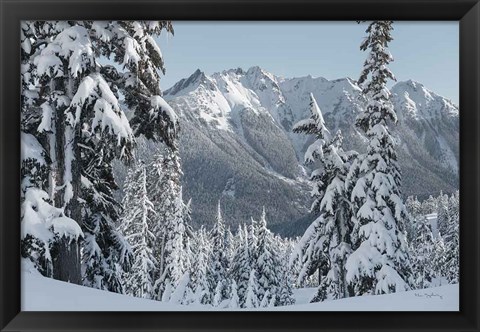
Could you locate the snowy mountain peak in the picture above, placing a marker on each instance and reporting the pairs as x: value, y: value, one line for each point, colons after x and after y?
x: 415, y: 100
x: 237, y: 124
x: 189, y: 83
x: 414, y: 89
x: 257, y: 71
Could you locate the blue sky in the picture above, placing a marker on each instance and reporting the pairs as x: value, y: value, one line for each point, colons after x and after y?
x: 427, y: 52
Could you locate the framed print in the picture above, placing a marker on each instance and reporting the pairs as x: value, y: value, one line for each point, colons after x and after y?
x: 239, y: 165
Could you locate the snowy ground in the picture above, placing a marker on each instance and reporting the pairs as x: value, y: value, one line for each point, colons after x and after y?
x: 44, y: 294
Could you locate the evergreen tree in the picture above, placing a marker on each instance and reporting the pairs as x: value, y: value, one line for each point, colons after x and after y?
x: 229, y: 245
x: 380, y: 262
x: 218, y: 297
x: 218, y: 262
x: 138, y: 212
x: 429, y: 206
x: 439, y: 263
x: 443, y: 213
x: 157, y: 187
x: 314, y: 125
x: 181, y: 293
x: 285, y: 296
x: 310, y: 253
x: 240, y: 270
x: 169, y: 225
x: 61, y: 60
x: 326, y: 243
x: 335, y: 214
x: 423, y: 250
x: 106, y: 254
x: 199, y: 280
x: 452, y: 240
x: 251, y: 233
x: 70, y: 103
x: 413, y: 207
x: 267, y: 263
x: 234, y: 302
x: 285, y: 292
x: 251, y: 300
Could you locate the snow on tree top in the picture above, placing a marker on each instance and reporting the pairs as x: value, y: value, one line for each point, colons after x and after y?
x: 72, y: 44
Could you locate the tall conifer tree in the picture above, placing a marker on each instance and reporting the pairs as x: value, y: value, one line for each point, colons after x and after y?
x: 380, y: 262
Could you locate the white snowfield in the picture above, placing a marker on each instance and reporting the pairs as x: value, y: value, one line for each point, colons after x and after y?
x: 45, y: 294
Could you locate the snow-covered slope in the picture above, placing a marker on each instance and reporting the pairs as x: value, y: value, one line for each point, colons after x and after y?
x: 431, y: 120
x: 45, y: 294
x: 237, y: 144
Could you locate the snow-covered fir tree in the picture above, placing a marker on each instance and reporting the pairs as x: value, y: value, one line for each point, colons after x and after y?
x: 106, y: 254
x: 57, y: 68
x: 241, y: 266
x: 326, y: 243
x: 335, y: 214
x: 429, y: 206
x: 443, y: 217
x: 439, y: 263
x: 188, y: 256
x: 310, y: 252
x: 234, y: 302
x: 283, y: 249
x: 251, y: 299
x: 423, y: 253
x: 251, y: 233
x: 169, y: 224
x: 181, y: 293
x: 413, y: 206
x: 443, y: 212
x: 380, y: 262
x: 218, y: 296
x: 218, y: 262
x: 71, y: 106
x: 452, y: 240
x: 135, y: 221
x: 229, y: 244
x: 314, y: 125
x: 199, y: 279
x: 268, y: 265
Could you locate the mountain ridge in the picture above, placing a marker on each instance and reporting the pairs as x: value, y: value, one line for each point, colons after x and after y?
x: 237, y: 145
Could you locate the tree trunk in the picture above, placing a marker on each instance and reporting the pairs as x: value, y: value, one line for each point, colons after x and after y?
x: 66, y: 263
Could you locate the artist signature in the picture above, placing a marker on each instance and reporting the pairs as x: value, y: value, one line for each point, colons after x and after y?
x: 429, y: 295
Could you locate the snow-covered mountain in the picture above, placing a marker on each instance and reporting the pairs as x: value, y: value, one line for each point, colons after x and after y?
x: 237, y: 144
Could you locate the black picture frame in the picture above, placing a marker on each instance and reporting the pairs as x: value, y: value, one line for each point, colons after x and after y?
x: 467, y: 12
